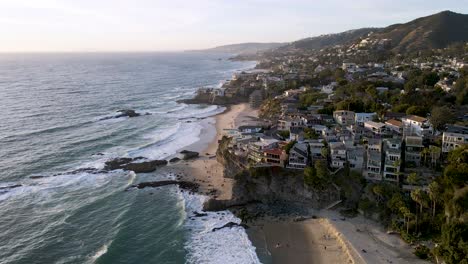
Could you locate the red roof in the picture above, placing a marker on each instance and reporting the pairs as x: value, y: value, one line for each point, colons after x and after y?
x: 394, y: 122
x: 274, y: 151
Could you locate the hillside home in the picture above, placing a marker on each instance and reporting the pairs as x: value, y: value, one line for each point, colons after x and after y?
x: 256, y: 149
x: 392, y: 160
x: 416, y: 125
x: 373, y: 170
x: 355, y: 156
x: 451, y: 141
x: 413, y: 148
x: 315, y: 147
x: 337, y: 154
x: 344, y: 117
x: 360, y: 118
x: 376, y: 128
x: 298, y: 157
x: 394, y: 125
x: 286, y: 123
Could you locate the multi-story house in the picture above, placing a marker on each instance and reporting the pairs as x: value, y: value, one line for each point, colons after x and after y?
x: 451, y: 141
x: 256, y: 149
x: 337, y: 154
x: 416, y: 126
x: 373, y: 170
x: 360, y: 118
x: 316, y: 149
x: 376, y: 128
x: 413, y: 148
x: 286, y: 123
x: 392, y: 160
x: 355, y: 156
x: 273, y: 157
x: 394, y: 125
x: 298, y: 156
x: 344, y: 117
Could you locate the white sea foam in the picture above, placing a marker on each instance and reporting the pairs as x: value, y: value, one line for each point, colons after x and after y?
x: 187, y: 134
x: 224, y: 246
x: 101, y: 252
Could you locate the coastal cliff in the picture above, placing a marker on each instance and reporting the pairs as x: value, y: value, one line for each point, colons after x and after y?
x: 268, y: 185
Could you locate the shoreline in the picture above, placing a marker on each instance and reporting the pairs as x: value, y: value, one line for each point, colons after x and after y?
x: 329, y: 238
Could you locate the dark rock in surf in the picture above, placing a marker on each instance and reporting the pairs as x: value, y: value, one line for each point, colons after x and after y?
x: 138, y: 164
x: 197, y: 214
x: 184, y: 185
x: 127, y: 113
x: 186, y: 154
x: 229, y: 225
x: 173, y: 160
x: 11, y: 187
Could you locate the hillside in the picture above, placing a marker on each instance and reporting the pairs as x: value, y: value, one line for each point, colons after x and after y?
x: 245, y: 48
x: 431, y: 32
x: 435, y: 31
x: 323, y: 41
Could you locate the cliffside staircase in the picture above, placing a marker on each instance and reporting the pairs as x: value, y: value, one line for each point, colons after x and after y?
x: 330, y: 206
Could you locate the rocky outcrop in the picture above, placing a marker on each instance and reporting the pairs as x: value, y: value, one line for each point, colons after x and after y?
x: 138, y: 164
x: 186, y: 154
x: 184, y: 185
x: 127, y: 113
x: 174, y: 160
x: 229, y: 225
x: 10, y: 187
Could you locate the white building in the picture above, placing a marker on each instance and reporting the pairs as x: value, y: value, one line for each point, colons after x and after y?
x: 416, y: 125
x: 344, y: 117
x: 349, y: 66
x: 451, y: 141
x: 360, y: 118
x: 376, y: 127
x: 392, y: 160
x: 338, y: 154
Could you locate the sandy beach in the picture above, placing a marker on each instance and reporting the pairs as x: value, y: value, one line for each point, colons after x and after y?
x: 309, y: 241
x: 206, y: 170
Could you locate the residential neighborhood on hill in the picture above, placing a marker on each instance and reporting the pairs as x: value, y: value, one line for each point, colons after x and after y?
x: 382, y: 110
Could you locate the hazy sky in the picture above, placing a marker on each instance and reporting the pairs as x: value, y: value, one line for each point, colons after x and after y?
x: 147, y: 25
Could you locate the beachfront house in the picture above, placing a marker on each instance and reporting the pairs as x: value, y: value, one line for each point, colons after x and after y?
x: 373, y: 168
x: 337, y: 154
x: 256, y: 149
x: 298, y: 156
x: 250, y: 129
x: 392, y: 160
x: 316, y: 149
x: 355, y: 156
x: 413, y: 148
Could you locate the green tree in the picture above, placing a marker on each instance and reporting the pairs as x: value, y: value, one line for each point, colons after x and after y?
x: 413, y: 179
x: 434, y: 195
x: 440, y: 116
x: 454, y: 245
x: 416, y: 110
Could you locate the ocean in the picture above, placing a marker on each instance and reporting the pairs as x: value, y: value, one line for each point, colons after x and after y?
x: 58, y: 116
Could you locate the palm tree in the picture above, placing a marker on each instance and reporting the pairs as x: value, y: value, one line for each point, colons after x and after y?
x: 418, y: 195
x: 406, y: 216
x: 435, y: 155
x: 434, y: 193
x: 413, y: 178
